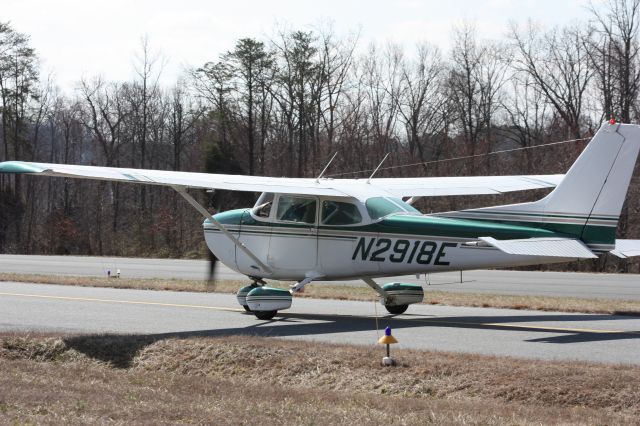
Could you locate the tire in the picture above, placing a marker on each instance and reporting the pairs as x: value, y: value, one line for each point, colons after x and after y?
x: 246, y: 308
x: 265, y: 315
x: 397, y: 309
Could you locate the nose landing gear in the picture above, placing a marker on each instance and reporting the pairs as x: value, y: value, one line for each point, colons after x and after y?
x: 265, y: 302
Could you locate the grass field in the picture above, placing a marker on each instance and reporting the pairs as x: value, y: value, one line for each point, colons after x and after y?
x: 121, y: 379
x: 324, y: 291
x: 253, y: 380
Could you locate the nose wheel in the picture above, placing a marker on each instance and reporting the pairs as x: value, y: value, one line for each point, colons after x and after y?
x: 241, y: 295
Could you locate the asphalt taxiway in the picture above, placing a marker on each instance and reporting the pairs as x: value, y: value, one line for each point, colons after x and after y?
x: 610, y: 286
x: 162, y: 314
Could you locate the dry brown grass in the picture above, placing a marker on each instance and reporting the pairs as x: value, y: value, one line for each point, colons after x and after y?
x: 324, y: 291
x: 134, y: 283
x: 248, y: 380
x: 535, y: 303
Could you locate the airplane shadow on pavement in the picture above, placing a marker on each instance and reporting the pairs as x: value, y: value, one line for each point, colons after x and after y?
x: 120, y: 349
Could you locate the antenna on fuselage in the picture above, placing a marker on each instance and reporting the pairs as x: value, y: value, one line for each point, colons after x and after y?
x: 326, y: 167
x: 377, y: 168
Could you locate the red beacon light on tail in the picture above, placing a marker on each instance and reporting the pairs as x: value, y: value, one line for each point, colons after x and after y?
x: 612, y: 121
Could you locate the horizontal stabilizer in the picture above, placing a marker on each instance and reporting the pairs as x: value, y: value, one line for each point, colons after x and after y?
x: 626, y: 248
x: 546, y: 247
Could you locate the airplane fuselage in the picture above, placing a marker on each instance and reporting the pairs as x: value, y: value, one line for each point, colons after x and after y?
x: 396, y: 244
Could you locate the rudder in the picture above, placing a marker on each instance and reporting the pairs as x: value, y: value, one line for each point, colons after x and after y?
x: 588, y: 201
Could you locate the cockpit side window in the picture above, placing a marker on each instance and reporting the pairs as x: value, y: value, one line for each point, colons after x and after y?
x: 340, y: 213
x: 296, y: 209
x: 263, y: 205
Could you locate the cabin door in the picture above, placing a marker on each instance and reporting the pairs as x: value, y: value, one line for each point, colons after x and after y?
x: 293, y: 246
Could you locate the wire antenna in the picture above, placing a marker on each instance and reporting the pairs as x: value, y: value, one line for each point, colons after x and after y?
x: 377, y: 168
x: 326, y: 167
x: 465, y: 157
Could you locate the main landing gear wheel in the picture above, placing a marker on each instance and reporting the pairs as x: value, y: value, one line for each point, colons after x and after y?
x: 265, y: 302
x: 396, y: 309
x: 265, y: 315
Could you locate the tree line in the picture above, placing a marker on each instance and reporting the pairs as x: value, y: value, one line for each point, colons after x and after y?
x: 282, y: 105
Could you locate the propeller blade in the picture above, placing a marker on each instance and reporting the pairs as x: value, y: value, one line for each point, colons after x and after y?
x: 211, y: 281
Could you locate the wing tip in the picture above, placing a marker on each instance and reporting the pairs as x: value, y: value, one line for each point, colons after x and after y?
x: 18, y: 167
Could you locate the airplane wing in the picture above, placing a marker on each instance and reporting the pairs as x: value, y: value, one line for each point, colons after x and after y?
x: 465, y: 185
x: 547, y: 247
x: 171, y: 178
x: 357, y: 188
x: 626, y: 248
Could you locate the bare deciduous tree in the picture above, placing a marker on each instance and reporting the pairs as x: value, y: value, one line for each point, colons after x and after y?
x: 615, y: 57
x: 422, y: 98
x: 476, y: 77
x: 557, y: 62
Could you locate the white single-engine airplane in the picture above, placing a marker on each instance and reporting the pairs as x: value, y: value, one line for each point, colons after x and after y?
x: 329, y: 229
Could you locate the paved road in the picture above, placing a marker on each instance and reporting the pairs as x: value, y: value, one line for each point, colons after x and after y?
x: 542, y: 335
x: 617, y: 286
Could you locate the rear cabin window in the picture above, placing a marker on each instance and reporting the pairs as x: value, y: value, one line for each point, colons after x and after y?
x: 378, y: 207
x: 339, y: 213
x: 295, y: 209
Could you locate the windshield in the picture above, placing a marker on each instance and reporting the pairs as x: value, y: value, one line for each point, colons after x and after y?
x: 263, y: 205
x: 378, y: 207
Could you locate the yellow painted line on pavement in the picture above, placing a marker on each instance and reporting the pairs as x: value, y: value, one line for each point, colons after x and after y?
x: 128, y: 302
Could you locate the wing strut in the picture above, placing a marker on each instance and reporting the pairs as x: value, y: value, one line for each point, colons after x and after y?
x: 183, y: 191
x: 374, y: 285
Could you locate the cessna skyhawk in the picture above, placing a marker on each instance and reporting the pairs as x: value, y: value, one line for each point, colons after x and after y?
x: 334, y: 229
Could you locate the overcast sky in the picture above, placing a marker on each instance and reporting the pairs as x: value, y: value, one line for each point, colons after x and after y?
x: 84, y: 38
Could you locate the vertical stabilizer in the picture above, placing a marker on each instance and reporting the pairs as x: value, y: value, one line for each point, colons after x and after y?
x: 596, y: 184
x: 588, y: 201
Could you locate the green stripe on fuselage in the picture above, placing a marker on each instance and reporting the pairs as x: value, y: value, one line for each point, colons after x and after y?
x: 589, y: 234
x: 458, y: 228
x: 537, y: 214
